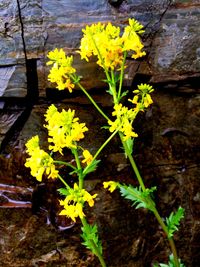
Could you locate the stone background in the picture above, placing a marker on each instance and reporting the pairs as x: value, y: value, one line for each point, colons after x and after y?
x: 29, y: 29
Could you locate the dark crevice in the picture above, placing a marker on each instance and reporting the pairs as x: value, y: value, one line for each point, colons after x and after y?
x: 21, y: 105
x: 22, y: 30
x: 31, y: 67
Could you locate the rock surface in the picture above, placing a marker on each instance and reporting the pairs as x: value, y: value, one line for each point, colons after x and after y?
x: 30, y: 29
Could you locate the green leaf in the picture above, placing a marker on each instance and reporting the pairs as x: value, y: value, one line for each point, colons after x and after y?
x: 174, y: 220
x: 171, y: 263
x: 123, y: 95
x: 140, y: 199
x: 92, y: 167
x: 63, y: 191
x: 91, y: 238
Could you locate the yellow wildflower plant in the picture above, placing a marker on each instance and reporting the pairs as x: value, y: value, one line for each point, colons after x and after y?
x: 40, y: 162
x: 64, y: 129
x: 74, y: 202
x: 61, y: 69
x: 111, y: 185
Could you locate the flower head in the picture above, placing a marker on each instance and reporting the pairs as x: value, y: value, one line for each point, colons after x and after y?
x: 143, y: 93
x: 124, y: 120
x: 64, y: 129
x: 40, y: 162
x: 74, y: 202
x: 106, y: 43
x: 61, y: 70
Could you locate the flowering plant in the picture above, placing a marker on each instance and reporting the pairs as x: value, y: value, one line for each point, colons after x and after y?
x: 110, y: 48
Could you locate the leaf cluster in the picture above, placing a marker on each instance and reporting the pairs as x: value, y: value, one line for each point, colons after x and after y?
x: 140, y: 198
x: 170, y: 263
x: 91, y: 238
x: 174, y: 220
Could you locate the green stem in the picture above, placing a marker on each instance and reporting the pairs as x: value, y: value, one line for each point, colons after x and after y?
x: 134, y: 166
x: 171, y: 241
x: 102, y: 147
x: 92, y: 101
x: 64, y: 163
x: 96, y: 249
x: 121, y: 76
x: 78, y: 164
x: 63, y: 181
x: 113, y: 87
x: 157, y: 215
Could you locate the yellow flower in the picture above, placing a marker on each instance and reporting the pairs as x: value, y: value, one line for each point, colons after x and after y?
x: 61, y: 69
x: 63, y: 128
x: 87, y: 157
x: 89, y: 198
x: 111, y: 185
x: 32, y: 144
x: 74, y: 202
x: 124, y: 120
x: 143, y: 93
x: 147, y: 100
x: 40, y: 163
x: 104, y: 42
x: 131, y: 39
x: 72, y: 211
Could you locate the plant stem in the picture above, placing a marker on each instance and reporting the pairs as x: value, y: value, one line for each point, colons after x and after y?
x: 121, y: 76
x: 113, y: 87
x: 134, y: 166
x: 157, y: 215
x: 96, y: 249
x: 171, y: 241
x: 63, y: 181
x: 78, y: 164
x: 102, y: 147
x: 92, y: 101
x: 64, y: 163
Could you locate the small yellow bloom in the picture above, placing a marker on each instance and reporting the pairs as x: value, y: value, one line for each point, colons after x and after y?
x: 74, y: 202
x: 32, y: 144
x: 41, y: 163
x: 111, y: 185
x: 89, y: 198
x: 72, y: 211
x: 87, y: 157
x: 147, y: 100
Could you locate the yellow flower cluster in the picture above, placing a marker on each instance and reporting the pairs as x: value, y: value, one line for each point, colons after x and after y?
x: 63, y: 128
x: 74, y: 202
x: 123, y: 121
x: 125, y: 116
x: 142, y: 97
x: 111, y: 185
x: 40, y: 162
x: 61, y: 69
x: 105, y: 42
